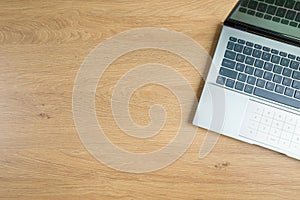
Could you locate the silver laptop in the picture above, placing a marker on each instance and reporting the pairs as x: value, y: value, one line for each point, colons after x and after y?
x: 252, y: 92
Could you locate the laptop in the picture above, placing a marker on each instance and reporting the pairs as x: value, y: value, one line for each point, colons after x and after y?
x: 252, y: 91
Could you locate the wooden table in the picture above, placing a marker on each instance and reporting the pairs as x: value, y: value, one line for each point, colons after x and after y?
x: 43, y: 44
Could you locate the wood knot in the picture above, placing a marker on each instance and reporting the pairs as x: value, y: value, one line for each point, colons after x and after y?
x: 222, y: 165
x: 44, y: 116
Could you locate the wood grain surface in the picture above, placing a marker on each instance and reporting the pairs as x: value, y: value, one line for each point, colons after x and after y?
x: 43, y: 44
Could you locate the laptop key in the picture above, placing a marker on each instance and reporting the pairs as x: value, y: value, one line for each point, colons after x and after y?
x: 297, y: 7
x: 277, y: 69
x: 253, y: 4
x: 240, y: 67
x: 233, y: 39
x: 258, y: 73
x: 266, y: 56
x: 267, y: 49
x: 259, y: 63
x: 279, y: 89
x: 249, y: 60
x: 240, y: 58
x: 289, y: 92
x: 257, y: 53
x: 287, y: 81
x: 283, y: 54
x: 249, y: 44
x: 260, y: 83
x: 221, y: 80
x: 228, y: 63
x: 274, y: 51
x: 270, y: 86
x: 291, y: 56
x: 279, y: 2
x: 289, y: 4
x: 281, y: 12
x: 294, y: 65
x: 276, y: 97
x: 298, y: 17
x: 268, y: 66
x: 251, y: 80
x: 249, y: 89
x: 268, y: 76
x: 230, y: 83
x: 296, y: 75
x: 277, y: 78
x: 268, y: 17
x: 244, y: 3
x: 276, y: 19
x: 238, y: 48
x: 249, y: 70
x: 287, y: 72
x: 262, y: 7
x: 228, y: 73
x: 285, y: 62
x: 251, y: 12
x: 241, y: 41
x: 243, y: 10
x: 290, y: 15
x: 230, y: 45
x: 257, y: 46
x: 247, y: 51
x: 239, y: 86
x: 242, y: 77
x: 297, y: 94
x: 296, y: 84
x: 294, y: 24
x: 271, y: 10
x: 230, y: 54
x: 260, y: 15
x: 275, y: 59
x: 285, y: 21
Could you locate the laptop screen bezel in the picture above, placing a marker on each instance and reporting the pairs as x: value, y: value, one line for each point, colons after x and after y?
x: 258, y: 30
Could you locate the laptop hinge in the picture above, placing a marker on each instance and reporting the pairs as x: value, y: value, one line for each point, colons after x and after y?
x: 262, y: 32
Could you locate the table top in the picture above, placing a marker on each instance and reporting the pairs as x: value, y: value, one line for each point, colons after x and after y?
x: 45, y: 156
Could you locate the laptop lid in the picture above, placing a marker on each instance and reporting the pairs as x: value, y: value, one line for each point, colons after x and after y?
x: 279, y: 19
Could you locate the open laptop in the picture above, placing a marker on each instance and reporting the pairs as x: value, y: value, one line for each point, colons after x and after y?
x: 252, y: 92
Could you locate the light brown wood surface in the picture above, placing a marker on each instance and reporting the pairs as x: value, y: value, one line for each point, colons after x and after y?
x: 42, y: 45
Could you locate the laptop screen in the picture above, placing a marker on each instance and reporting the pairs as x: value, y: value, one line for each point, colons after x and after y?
x: 279, y: 17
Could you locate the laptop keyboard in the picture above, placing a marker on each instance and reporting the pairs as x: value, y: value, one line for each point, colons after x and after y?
x: 261, y: 71
x: 281, y: 11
